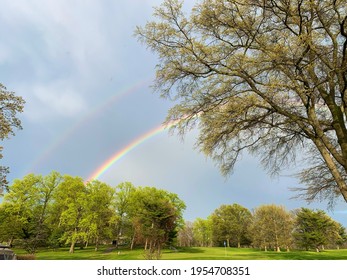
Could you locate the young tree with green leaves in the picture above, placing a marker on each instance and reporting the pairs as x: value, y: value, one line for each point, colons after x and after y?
x: 69, y: 209
x: 47, y: 185
x: 98, y: 220
x: 122, y: 208
x: 26, y: 209
x: 21, y: 209
x: 203, y: 232
x: 267, y: 77
x: 231, y: 224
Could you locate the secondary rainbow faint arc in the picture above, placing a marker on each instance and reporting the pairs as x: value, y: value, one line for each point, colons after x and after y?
x: 53, y: 147
x: 132, y: 145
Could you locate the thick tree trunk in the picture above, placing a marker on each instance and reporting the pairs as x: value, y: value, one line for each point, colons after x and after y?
x: 277, y: 243
x: 333, y: 169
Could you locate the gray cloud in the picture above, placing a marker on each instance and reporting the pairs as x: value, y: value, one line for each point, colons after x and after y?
x: 68, y: 59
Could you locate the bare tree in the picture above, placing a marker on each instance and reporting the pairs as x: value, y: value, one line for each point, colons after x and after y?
x: 264, y: 76
x: 185, y: 235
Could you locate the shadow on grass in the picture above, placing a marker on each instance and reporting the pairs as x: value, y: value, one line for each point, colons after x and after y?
x: 191, y: 250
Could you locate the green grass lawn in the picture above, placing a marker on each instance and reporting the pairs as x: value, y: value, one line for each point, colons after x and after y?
x: 194, y: 253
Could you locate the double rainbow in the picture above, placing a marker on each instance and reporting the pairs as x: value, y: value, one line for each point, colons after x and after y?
x: 131, y: 146
x: 71, y: 131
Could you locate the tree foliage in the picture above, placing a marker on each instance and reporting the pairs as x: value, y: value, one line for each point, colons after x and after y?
x: 69, y: 209
x: 272, y: 227
x: 123, y: 207
x: 203, y: 230
x: 268, y: 77
x: 158, y: 214
x: 10, y: 105
x: 266, y: 227
x: 56, y: 210
x: 231, y: 223
x: 20, y: 207
x: 98, y: 221
x: 26, y: 207
x: 314, y: 229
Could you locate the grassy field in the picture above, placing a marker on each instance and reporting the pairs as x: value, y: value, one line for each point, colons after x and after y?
x: 195, y: 253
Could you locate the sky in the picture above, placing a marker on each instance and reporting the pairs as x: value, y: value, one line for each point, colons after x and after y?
x: 87, y: 84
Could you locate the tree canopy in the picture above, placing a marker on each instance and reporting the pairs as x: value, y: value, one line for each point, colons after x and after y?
x: 272, y: 227
x: 267, y: 77
x: 10, y: 105
x: 56, y: 210
x: 231, y: 223
x: 315, y: 228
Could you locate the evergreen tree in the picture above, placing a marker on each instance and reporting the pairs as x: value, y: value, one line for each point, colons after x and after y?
x: 312, y: 228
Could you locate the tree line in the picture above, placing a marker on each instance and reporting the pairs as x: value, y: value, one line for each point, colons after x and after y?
x: 62, y: 210
x: 266, y: 227
x: 56, y: 210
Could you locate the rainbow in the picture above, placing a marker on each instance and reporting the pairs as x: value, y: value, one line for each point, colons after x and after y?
x: 68, y: 133
x: 131, y: 146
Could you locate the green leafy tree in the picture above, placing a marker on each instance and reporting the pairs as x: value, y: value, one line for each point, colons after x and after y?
x: 341, y: 236
x: 10, y: 106
x: 4, y: 229
x: 337, y: 236
x: 267, y: 77
x: 46, y: 187
x: 272, y: 227
x: 26, y: 207
x: 313, y: 229
x: 98, y: 221
x: 231, y: 223
x: 122, y: 208
x: 20, y: 208
x: 203, y: 229
x: 69, y: 210
x: 157, y: 214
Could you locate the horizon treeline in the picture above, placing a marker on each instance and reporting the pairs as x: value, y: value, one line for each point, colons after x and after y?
x: 267, y: 227
x: 57, y: 210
